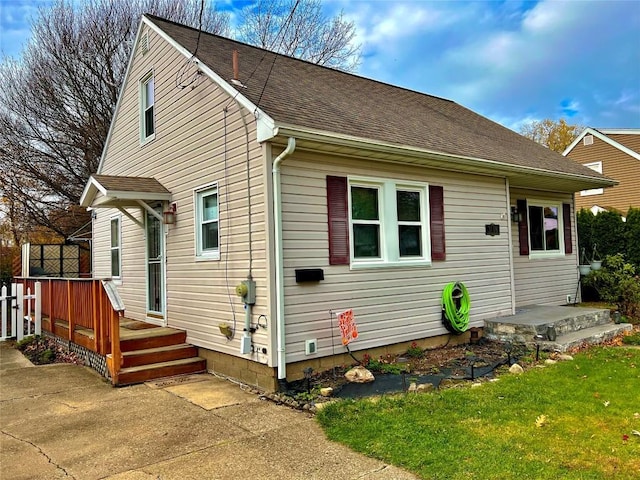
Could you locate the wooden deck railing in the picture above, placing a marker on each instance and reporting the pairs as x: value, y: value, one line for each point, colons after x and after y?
x: 80, y: 309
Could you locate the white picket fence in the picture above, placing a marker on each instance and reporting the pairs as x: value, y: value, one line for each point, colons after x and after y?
x: 17, y: 309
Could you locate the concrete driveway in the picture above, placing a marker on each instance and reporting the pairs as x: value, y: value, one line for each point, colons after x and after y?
x: 65, y: 422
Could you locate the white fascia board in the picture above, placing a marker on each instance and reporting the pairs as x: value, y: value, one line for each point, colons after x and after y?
x: 265, y: 124
x: 119, y: 101
x: 601, y: 134
x: 578, y: 139
x: 128, y: 195
x: 620, y: 131
x: 356, y: 142
x: 89, y: 193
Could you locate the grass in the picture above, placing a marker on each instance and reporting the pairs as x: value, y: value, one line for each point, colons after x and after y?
x: 586, y: 408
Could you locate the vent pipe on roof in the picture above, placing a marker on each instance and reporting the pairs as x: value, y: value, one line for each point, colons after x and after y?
x: 236, y: 70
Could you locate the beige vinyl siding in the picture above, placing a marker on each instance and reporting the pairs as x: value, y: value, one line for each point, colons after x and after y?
x: 616, y: 164
x: 391, y: 304
x: 190, y: 150
x: 544, y: 281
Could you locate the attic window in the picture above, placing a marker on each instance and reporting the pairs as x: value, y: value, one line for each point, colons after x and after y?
x: 143, y: 45
x: 587, y: 140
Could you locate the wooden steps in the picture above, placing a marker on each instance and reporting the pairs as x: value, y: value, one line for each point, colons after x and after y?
x: 154, y: 352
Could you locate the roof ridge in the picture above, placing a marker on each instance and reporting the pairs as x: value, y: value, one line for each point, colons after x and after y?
x: 204, y: 32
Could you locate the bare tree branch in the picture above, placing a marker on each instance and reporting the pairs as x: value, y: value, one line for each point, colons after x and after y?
x: 56, y: 103
x: 307, y: 33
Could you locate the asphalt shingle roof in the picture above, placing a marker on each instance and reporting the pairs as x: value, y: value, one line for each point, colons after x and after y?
x: 302, y: 94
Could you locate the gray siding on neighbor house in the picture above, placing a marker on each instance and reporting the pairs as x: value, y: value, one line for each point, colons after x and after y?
x: 391, y: 304
x: 190, y: 150
x: 544, y: 281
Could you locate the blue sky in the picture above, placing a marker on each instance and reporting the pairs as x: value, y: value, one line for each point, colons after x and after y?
x: 512, y: 61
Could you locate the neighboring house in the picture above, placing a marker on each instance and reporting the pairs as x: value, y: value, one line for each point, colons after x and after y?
x: 616, y: 154
x: 329, y: 191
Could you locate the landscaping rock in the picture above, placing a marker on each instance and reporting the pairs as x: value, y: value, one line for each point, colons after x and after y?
x: 476, y: 385
x: 424, y: 387
x: 516, y: 369
x: 412, y: 387
x: 549, y: 361
x: 326, y: 392
x: 359, y: 374
x: 565, y: 357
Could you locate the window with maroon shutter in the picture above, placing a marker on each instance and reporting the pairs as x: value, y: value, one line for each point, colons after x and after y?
x: 387, y: 224
x: 436, y: 214
x: 338, y: 217
x: 566, y: 218
x: 523, y: 228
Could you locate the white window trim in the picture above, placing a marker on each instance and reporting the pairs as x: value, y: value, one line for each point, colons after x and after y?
x: 388, y: 220
x: 198, y: 193
x: 596, y: 167
x: 117, y: 279
x: 534, y: 254
x: 142, y: 101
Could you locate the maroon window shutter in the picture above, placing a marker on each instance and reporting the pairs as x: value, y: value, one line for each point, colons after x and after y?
x: 436, y: 217
x: 523, y: 227
x: 337, y: 206
x: 566, y: 218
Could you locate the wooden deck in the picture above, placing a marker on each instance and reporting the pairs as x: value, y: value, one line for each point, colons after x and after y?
x: 80, y: 310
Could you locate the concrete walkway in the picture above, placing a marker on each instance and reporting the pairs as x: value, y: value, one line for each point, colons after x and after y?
x: 66, y: 422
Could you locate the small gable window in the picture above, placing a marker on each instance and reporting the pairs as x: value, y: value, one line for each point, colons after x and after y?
x: 147, y: 102
x: 115, y: 248
x: 207, y: 223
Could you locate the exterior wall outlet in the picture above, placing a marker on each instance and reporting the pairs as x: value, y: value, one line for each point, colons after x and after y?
x: 310, y: 347
x: 569, y: 298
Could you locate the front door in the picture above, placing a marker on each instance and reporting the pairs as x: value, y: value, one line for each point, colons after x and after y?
x: 155, y: 269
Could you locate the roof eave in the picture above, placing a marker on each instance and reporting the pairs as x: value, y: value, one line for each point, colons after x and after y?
x: 490, y: 167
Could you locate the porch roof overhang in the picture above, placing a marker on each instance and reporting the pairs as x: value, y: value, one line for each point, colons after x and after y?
x: 520, y: 176
x: 112, y: 191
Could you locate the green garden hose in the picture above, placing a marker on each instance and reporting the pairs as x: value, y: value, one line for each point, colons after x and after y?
x: 455, y: 307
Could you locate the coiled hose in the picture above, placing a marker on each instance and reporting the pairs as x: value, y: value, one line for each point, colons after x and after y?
x: 455, y: 307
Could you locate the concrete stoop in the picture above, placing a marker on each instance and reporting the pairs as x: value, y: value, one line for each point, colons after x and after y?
x: 573, y: 326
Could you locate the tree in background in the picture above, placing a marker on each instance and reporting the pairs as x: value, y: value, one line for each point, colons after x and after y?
x: 57, y: 101
x: 556, y: 136
x: 300, y: 29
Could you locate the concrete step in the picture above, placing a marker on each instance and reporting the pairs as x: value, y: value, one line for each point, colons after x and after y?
x: 531, y: 321
x: 592, y: 336
x: 143, y: 373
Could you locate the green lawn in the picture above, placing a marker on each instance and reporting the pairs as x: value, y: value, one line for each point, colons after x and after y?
x: 586, y: 408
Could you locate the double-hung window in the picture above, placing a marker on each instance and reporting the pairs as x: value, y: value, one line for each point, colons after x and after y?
x: 545, y: 228
x: 147, y: 102
x: 388, y: 222
x: 116, y: 257
x: 365, y: 220
x: 207, y: 223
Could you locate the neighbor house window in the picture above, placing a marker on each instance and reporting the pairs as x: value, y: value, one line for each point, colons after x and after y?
x: 116, y: 257
x: 207, y: 223
x: 147, y: 101
x: 596, y: 166
x: 388, y: 222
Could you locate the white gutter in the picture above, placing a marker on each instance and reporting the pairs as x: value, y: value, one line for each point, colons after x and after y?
x: 277, y: 216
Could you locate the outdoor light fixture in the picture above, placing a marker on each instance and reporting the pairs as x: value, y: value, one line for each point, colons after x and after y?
x: 169, y: 215
x: 515, y: 215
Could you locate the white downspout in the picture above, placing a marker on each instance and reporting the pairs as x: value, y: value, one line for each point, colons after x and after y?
x: 277, y: 216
